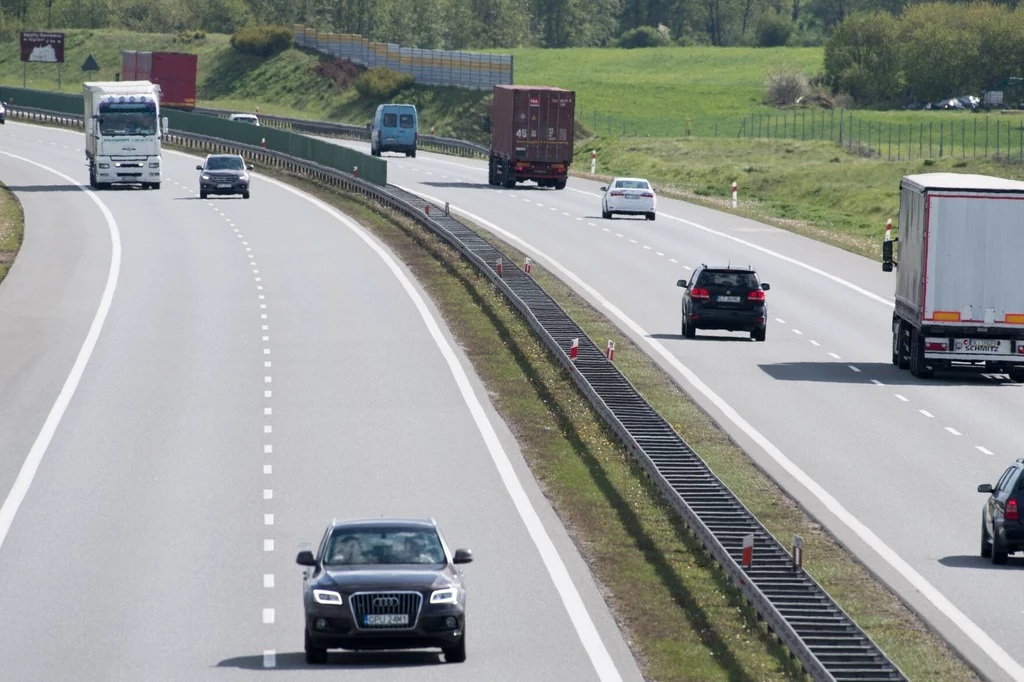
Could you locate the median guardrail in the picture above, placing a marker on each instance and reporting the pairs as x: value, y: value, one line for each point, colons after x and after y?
x: 818, y: 633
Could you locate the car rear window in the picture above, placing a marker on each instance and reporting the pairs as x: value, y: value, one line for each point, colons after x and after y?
x: 406, y: 120
x: 390, y: 120
x: 384, y: 546
x: 738, y: 280
x: 631, y: 184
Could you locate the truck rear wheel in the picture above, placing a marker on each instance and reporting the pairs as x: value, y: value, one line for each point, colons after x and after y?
x: 1017, y: 374
x: 508, y: 176
x: 560, y: 184
x: 917, y: 361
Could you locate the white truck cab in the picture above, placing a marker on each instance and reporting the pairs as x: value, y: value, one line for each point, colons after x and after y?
x: 123, y: 133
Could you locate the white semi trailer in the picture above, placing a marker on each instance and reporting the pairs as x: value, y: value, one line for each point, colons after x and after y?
x: 123, y: 133
x: 960, y: 275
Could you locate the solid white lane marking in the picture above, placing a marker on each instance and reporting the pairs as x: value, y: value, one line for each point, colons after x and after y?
x: 927, y: 590
x: 268, y: 580
x: 927, y: 414
x: 573, y: 603
x: 814, y: 343
x: 835, y: 356
x: 906, y: 400
x: 268, y: 545
x: 268, y: 493
x: 268, y: 519
x: 269, y: 658
x: 953, y: 431
x: 983, y: 450
x: 268, y: 469
x: 22, y: 483
x: 268, y: 616
x: 855, y: 369
x: 775, y: 254
x: 876, y: 382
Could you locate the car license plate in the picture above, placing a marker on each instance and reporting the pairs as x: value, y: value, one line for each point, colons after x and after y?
x: 386, y: 619
x: 632, y: 196
x: 728, y: 299
x: 226, y: 185
x: 982, y: 345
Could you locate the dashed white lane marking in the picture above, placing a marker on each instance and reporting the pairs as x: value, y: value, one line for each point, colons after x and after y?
x: 268, y: 545
x: 814, y: 343
x: 633, y: 241
x: 673, y: 260
x: 659, y: 253
x: 797, y: 332
x: 268, y: 448
x: 269, y: 658
x: 266, y: 351
x: 927, y: 414
x: 266, y: 365
x: 268, y: 469
x: 268, y: 580
x: 565, y: 214
x: 647, y: 247
x: 835, y: 356
x: 855, y: 369
x: 268, y: 616
x: 906, y: 400
x: 267, y: 428
x: 268, y: 493
x: 953, y: 431
x: 593, y: 225
x: 780, y: 320
x: 876, y: 382
x: 19, y: 490
x: 606, y: 229
x: 267, y: 411
x: 617, y: 234
x: 268, y: 519
x: 540, y: 205
x: 266, y: 380
x: 983, y: 450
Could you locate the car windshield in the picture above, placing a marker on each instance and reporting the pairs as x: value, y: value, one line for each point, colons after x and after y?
x: 225, y: 163
x: 383, y: 547
x: 245, y: 119
x: 631, y: 184
x: 128, y: 123
x: 736, y: 280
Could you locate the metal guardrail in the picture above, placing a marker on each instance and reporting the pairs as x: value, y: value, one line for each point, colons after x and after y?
x: 818, y: 633
x: 447, y: 144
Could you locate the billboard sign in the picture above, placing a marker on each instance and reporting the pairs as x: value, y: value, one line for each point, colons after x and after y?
x: 42, y: 47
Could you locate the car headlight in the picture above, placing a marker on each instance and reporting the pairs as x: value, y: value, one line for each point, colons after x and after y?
x: 104, y: 165
x: 448, y: 595
x: 206, y: 176
x: 155, y: 165
x: 327, y: 597
x: 244, y: 177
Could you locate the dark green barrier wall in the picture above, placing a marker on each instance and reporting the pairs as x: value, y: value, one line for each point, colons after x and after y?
x: 331, y: 155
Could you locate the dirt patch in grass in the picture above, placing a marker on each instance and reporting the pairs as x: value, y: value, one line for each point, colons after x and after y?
x: 12, y: 229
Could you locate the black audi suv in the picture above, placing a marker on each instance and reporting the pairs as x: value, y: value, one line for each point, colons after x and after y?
x: 724, y: 297
x: 1002, y: 527
x: 224, y: 174
x: 384, y: 583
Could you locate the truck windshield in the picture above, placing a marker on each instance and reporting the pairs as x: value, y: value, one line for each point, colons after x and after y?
x: 128, y: 123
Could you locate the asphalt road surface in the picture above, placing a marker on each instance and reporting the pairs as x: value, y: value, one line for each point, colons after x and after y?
x: 888, y: 462
x: 250, y: 370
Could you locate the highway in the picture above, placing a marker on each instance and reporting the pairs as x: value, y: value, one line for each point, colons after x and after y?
x: 889, y: 463
x: 193, y: 389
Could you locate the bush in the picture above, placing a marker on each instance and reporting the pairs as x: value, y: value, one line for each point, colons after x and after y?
x: 862, y: 57
x: 340, y: 70
x: 381, y: 82
x: 189, y: 37
x: 773, y: 30
x: 785, y: 87
x: 644, y: 36
x: 262, y: 41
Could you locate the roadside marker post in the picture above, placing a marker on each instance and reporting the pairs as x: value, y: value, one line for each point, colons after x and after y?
x: 748, y: 550
x: 574, y: 349
x: 734, y: 202
x: 610, y: 352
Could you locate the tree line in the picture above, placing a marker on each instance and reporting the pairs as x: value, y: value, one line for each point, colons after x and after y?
x: 926, y: 53
x: 473, y: 24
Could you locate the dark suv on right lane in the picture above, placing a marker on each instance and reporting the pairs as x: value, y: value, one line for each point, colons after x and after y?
x: 1002, y: 530
x: 725, y: 297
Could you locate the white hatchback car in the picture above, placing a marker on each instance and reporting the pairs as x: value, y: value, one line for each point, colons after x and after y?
x: 629, y: 196
x: 251, y: 119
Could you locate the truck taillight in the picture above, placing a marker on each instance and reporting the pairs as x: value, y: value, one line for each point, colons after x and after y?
x: 756, y: 295
x: 1011, y: 510
x: 700, y: 294
x: 935, y: 346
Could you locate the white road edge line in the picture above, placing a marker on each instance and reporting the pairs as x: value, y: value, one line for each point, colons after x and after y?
x: 39, y: 447
x: 927, y: 590
x: 577, y: 610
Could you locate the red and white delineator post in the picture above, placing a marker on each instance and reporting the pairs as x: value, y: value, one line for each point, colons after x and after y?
x: 748, y: 550
x: 798, y: 551
x: 593, y: 161
x: 574, y: 349
x: 499, y: 267
x: 527, y: 266
x: 263, y: 142
x: 734, y: 203
x: 610, y: 351
x: 888, y: 230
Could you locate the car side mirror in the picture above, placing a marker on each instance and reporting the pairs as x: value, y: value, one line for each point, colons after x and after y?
x: 765, y: 286
x: 305, y: 558
x: 462, y: 556
x: 681, y: 283
x: 199, y: 168
x: 248, y: 167
x: 985, y: 488
x: 604, y: 189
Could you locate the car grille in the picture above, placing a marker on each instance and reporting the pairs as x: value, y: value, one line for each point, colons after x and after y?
x: 386, y: 603
x: 222, y: 178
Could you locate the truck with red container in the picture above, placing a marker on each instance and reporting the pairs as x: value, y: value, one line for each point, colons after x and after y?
x: 532, y: 130
x: 174, y: 72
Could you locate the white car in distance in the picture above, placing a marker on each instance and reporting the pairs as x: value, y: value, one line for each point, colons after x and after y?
x: 251, y: 119
x: 629, y: 196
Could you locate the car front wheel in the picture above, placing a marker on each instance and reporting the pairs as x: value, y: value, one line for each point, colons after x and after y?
x: 457, y: 653
x: 986, y: 544
x: 314, y: 654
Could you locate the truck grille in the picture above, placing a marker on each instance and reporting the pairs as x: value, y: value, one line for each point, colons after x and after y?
x: 386, y: 603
